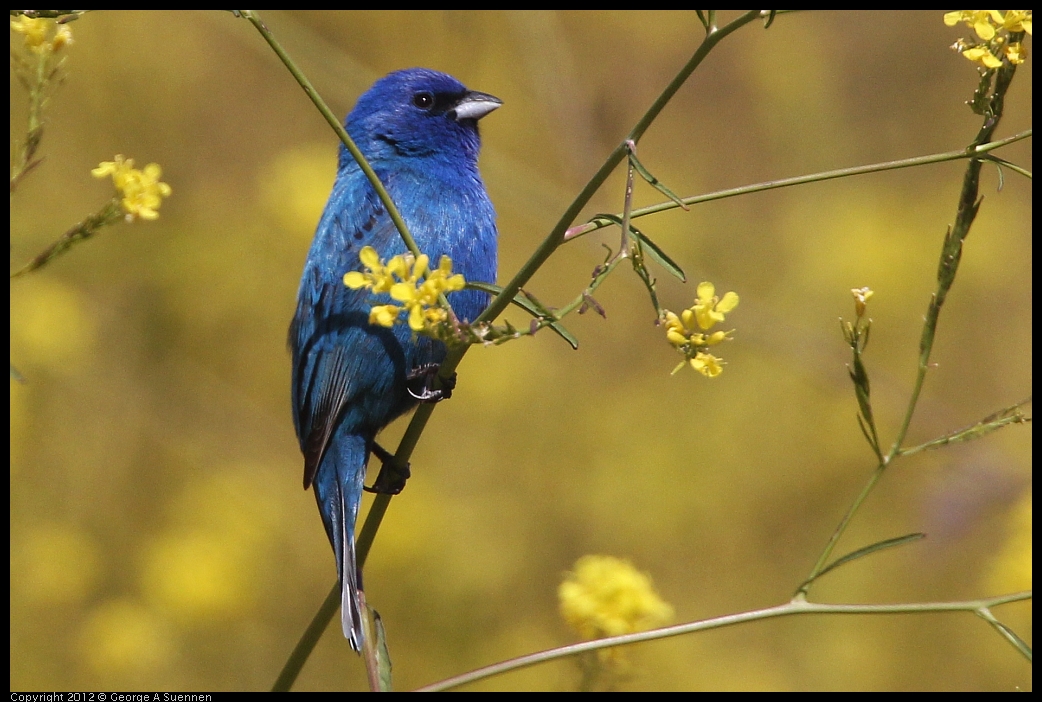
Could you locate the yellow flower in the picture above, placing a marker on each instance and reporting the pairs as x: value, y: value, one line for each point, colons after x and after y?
x: 983, y: 22
x: 35, y: 31
x: 987, y: 24
x: 981, y: 55
x: 410, y: 281
x: 384, y: 315
x: 707, y: 364
x: 380, y: 278
x: 1017, y: 21
x: 861, y: 298
x: 606, y: 596
x: 686, y: 331
x: 709, y: 309
x: 445, y: 280
x: 422, y: 300
x: 414, y: 301
x: 141, y: 191
x: 676, y: 333
x: 1016, y: 53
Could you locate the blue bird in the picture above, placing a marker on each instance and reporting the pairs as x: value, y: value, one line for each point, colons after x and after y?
x: 418, y: 129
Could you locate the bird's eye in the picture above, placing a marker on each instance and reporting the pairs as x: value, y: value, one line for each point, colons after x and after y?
x: 424, y: 101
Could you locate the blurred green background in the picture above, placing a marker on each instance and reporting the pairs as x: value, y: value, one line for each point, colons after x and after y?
x: 159, y: 534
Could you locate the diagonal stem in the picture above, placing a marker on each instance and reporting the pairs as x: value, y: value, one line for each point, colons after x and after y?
x: 334, y: 122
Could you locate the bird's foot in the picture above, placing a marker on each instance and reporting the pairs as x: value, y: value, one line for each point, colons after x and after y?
x: 427, y: 373
x: 392, y: 477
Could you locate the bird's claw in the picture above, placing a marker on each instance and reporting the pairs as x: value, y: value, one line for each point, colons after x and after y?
x: 427, y: 393
x: 392, y: 477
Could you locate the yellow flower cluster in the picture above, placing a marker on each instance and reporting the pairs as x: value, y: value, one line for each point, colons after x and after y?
x: 141, y: 191
x: 606, y: 596
x: 993, y: 27
x: 410, y: 281
x: 689, y: 331
x: 36, y: 32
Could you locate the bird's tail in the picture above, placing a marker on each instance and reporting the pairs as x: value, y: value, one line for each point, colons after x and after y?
x: 350, y: 583
x: 338, y: 490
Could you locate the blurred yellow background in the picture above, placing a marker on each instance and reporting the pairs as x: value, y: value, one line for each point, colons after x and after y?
x: 159, y: 534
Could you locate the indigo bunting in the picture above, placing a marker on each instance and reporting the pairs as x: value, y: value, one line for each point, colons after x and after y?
x: 418, y: 129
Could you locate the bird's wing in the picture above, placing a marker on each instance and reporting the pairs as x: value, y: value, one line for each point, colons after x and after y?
x: 333, y: 348
x: 327, y: 409
x: 328, y: 336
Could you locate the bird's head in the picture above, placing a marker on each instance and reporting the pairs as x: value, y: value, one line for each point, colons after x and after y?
x: 420, y: 113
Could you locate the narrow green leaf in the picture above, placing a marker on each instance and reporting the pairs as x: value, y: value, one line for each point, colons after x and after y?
x: 649, y: 281
x: 660, y: 256
x: 861, y: 423
x: 867, y: 550
x: 655, y: 182
x: 1012, y: 637
x: 993, y: 422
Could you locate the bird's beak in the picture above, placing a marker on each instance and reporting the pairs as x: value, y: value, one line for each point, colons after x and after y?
x: 474, y: 105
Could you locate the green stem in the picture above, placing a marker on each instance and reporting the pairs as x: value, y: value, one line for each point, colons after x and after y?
x: 791, y: 608
x: 1005, y: 632
x: 840, y: 529
x: 978, y: 151
x: 308, y: 641
x: 34, y: 127
x: 627, y: 204
x: 110, y: 214
x: 334, y: 122
x: 993, y: 422
x: 951, y: 252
